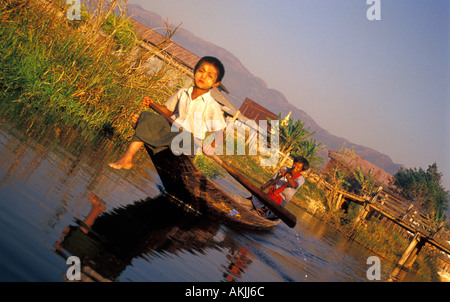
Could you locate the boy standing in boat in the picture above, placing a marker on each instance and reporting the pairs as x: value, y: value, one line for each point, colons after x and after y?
x: 282, y: 186
x: 194, y: 109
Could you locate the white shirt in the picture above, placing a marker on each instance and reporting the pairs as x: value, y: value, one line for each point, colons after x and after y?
x: 196, y: 116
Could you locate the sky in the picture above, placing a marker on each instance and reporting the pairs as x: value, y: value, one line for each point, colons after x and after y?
x: 382, y: 83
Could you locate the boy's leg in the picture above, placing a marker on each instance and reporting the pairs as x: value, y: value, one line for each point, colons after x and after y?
x: 126, y: 162
x: 98, y: 207
x: 257, y: 204
x: 150, y: 129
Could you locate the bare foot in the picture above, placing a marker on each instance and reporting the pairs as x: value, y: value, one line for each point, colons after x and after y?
x: 126, y: 162
x: 121, y: 164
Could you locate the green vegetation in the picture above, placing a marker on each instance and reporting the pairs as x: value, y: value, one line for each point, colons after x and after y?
x: 366, y: 182
x: 424, y: 188
x: 375, y: 236
x: 294, y: 140
x: 86, y: 73
x: 291, y: 134
x: 309, y: 149
x: 337, y: 179
x: 208, y: 166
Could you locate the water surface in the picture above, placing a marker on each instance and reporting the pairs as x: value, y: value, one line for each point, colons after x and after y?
x: 59, y: 198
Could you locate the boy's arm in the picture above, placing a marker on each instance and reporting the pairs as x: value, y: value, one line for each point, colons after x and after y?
x: 271, y: 181
x: 148, y: 100
x: 282, y: 172
x: 286, y: 173
x: 291, y: 182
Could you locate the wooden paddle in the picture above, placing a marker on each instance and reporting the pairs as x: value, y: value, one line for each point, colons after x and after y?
x: 285, y: 215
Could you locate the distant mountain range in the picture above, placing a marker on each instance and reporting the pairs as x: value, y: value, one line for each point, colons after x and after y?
x: 241, y: 84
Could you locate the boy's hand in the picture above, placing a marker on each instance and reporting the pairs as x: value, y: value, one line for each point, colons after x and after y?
x: 146, y: 101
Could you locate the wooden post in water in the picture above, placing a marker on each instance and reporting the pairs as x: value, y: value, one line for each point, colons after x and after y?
x: 368, y: 210
x: 339, y: 201
x: 363, y: 213
x: 360, y: 219
x: 408, y: 258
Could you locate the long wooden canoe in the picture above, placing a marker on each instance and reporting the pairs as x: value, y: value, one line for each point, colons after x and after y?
x: 184, y: 181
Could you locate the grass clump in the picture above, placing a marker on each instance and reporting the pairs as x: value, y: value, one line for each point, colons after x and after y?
x: 207, y: 166
x: 90, y: 72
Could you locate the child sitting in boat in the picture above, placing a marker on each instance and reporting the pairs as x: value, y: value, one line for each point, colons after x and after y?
x: 282, y: 186
x: 194, y: 109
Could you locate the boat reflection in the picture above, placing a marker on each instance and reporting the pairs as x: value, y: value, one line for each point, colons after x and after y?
x: 107, y: 242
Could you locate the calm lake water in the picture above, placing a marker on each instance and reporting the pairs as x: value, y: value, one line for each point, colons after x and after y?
x: 53, y: 183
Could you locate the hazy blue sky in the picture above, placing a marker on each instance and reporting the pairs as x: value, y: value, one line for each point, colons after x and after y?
x: 383, y: 83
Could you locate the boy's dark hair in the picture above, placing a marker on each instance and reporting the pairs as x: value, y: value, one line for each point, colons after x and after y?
x: 216, y: 63
x: 304, y: 161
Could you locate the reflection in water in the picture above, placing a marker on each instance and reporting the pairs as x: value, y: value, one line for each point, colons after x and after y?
x: 239, y: 261
x: 46, y: 175
x: 107, y: 242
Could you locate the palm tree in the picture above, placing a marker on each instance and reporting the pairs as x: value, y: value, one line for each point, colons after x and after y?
x: 309, y: 149
x: 367, y: 182
x: 291, y: 134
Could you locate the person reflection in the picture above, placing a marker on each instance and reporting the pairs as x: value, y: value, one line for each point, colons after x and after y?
x: 107, y: 242
x: 239, y: 260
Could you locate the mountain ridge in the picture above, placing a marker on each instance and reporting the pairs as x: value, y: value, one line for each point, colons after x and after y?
x: 241, y: 84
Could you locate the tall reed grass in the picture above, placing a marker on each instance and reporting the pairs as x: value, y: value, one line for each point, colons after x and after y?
x: 89, y: 72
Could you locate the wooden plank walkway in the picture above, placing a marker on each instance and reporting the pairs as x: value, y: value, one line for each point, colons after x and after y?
x: 398, y: 211
x: 402, y: 213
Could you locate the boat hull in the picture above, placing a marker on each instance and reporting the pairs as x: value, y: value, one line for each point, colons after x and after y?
x: 184, y: 181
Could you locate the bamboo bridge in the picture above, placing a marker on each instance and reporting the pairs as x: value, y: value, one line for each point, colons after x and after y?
x: 387, y: 205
